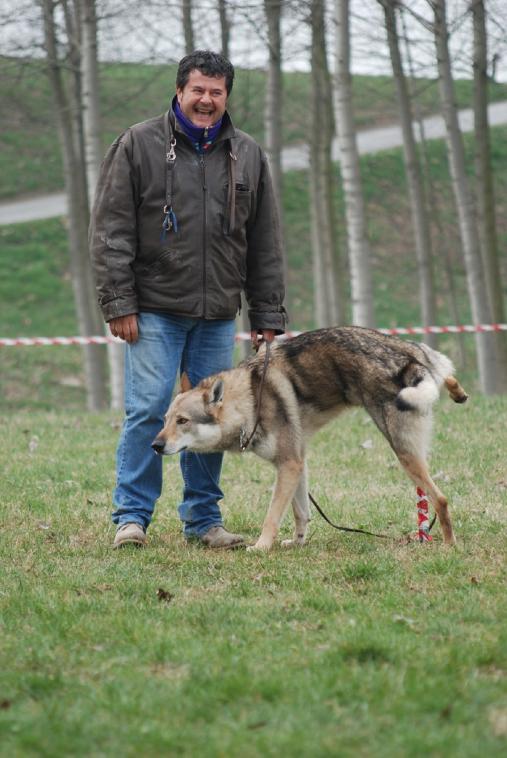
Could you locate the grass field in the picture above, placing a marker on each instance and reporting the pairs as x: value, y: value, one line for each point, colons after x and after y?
x: 351, y: 646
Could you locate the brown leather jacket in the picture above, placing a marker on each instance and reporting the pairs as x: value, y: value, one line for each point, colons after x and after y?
x: 223, y: 243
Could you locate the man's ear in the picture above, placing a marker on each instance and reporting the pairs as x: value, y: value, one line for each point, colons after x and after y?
x: 216, y: 394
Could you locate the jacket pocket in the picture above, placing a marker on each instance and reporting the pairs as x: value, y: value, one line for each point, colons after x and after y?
x: 165, y: 261
x: 236, y: 214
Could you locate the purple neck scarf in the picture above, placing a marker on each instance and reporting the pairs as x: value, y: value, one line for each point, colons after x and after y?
x: 198, y: 135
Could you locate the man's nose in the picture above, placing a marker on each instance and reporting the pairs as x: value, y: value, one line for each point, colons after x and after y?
x: 158, y: 445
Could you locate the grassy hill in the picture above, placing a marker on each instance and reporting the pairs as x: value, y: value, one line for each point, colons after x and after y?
x: 29, y: 154
x: 36, y: 295
x: 35, y: 291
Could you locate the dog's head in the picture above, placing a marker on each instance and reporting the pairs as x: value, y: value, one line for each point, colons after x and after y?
x: 192, y: 421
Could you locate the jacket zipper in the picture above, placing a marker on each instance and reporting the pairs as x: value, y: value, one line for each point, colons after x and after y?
x: 204, y: 208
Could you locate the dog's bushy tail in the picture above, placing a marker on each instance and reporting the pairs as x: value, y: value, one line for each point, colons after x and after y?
x: 424, y: 390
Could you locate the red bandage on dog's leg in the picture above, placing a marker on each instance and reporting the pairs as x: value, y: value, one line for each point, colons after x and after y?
x: 423, y: 523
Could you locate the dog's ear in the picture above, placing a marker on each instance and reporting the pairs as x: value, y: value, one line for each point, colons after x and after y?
x: 216, y: 394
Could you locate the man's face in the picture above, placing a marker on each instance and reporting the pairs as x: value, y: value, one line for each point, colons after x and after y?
x: 203, y: 98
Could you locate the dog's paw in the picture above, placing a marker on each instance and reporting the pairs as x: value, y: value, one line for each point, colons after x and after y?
x: 259, y: 547
x: 293, y: 543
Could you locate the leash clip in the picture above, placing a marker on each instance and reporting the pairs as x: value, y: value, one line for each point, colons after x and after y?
x: 243, y: 440
x: 171, y: 155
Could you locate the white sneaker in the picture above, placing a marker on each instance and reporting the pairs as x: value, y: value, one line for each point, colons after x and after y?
x: 130, y: 534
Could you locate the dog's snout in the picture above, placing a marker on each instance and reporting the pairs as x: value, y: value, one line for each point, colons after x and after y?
x: 158, y: 445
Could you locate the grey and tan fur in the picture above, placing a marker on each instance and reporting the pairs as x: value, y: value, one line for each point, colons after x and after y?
x: 310, y: 380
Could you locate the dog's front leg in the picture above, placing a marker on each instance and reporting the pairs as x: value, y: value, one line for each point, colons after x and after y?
x: 301, y: 509
x: 288, y: 475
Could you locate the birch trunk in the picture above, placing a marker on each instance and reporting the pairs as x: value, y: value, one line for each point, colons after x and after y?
x: 89, y: 319
x: 358, y: 248
x: 90, y: 107
x: 477, y: 290
x: 273, y: 101
x: 188, y: 28
x: 273, y: 104
x: 225, y: 27
x: 420, y: 220
x: 485, y: 189
x: 327, y: 301
x: 441, y: 249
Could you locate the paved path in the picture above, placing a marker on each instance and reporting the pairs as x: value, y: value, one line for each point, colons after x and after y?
x: 369, y: 141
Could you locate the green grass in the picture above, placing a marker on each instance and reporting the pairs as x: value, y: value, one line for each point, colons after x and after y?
x: 350, y: 646
x: 36, y: 299
x: 29, y: 155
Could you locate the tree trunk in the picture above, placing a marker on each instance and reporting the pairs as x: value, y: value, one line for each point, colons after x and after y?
x: 273, y: 101
x: 485, y: 190
x: 441, y: 249
x: 273, y: 104
x: 188, y: 28
x: 358, y: 248
x: 328, y: 309
x: 90, y: 103
x: 225, y: 27
x: 481, y: 312
x: 420, y: 218
x: 89, y: 319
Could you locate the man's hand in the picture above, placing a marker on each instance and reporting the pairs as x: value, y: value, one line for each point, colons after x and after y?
x: 125, y: 327
x: 258, y: 336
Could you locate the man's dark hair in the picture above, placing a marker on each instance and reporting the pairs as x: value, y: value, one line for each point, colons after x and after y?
x: 209, y: 64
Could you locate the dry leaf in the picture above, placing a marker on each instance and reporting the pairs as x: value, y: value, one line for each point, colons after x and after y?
x: 164, y: 595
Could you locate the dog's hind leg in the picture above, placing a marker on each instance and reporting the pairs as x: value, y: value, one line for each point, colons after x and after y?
x: 417, y: 470
x: 301, y: 510
x: 409, y: 435
x: 288, y: 476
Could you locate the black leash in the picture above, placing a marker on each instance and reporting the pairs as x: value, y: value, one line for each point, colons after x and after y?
x: 244, y: 443
x: 343, y: 528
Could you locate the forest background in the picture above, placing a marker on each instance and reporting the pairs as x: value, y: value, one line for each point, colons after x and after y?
x: 396, y: 238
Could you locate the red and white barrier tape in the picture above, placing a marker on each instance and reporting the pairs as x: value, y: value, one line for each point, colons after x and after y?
x: 245, y: 336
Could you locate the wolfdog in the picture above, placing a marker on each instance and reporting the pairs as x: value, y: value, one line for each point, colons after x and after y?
x: 309, y: 380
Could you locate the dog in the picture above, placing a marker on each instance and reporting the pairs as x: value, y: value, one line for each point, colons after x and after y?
x: 308, y: 381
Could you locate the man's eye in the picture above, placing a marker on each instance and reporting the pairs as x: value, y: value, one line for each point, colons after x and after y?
x: 181, y: 420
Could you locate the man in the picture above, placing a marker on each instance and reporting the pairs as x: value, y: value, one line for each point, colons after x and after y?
x: 184, y: 219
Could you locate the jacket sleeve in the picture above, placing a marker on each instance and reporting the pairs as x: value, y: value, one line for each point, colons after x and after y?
x: 112, y: 233
x: 264, y: 288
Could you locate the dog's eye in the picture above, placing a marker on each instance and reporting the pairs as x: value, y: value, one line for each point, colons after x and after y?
x: 181, y: 420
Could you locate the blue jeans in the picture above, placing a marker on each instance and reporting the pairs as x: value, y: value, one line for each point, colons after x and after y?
x: 166, y: 345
